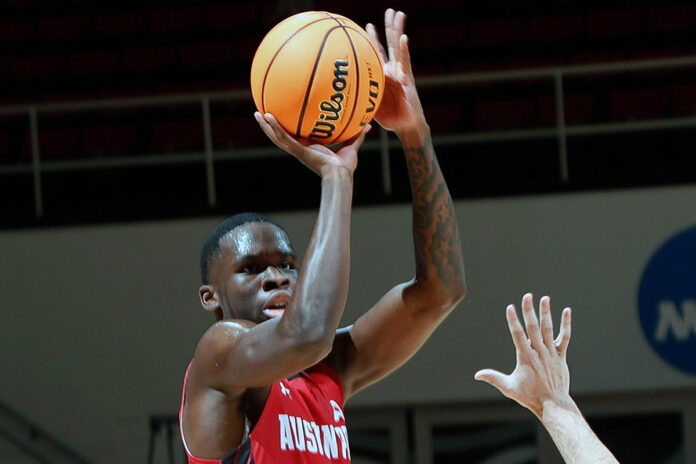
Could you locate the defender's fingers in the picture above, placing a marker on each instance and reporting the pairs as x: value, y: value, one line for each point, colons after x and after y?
x: 563, y: 338
x: 516, y: 331
x: 493, y: 377
x: 531, y: 323
x: 546, y: 322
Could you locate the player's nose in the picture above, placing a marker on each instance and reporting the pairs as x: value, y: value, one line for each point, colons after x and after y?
x: 273, y: 278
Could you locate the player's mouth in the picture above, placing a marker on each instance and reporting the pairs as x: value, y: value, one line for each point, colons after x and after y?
x: 275, y: 305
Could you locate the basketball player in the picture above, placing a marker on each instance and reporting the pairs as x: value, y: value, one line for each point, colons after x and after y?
x: 269, y: 379
x: 541, y: 382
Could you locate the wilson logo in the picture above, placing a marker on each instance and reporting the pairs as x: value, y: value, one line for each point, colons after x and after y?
x: 332, y: 108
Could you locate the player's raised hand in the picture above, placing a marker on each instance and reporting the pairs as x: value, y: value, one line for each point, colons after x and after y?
x: 318, y: 158
x: 541, y: 374
x: 400, y: 108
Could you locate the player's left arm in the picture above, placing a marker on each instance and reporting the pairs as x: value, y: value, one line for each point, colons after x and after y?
x: 397, y: 326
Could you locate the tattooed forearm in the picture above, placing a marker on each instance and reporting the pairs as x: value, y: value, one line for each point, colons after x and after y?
x: 435, y: 227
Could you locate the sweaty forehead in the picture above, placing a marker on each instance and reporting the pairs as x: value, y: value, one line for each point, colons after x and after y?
x: 256, y: 238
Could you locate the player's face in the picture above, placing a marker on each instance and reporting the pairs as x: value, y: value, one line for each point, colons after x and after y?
x: 256, y: 272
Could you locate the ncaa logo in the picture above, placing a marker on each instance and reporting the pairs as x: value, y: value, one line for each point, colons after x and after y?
x: 667, y: 301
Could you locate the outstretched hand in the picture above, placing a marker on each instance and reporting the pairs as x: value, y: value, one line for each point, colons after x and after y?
x: 318, y: 158
x: 400, y: 108
x: 541, y: 374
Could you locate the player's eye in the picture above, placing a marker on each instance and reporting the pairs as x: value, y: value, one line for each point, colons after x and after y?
x: 252, y: 269
x: 286, y: 266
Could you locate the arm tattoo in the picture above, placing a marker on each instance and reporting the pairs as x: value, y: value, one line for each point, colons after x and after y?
x: 434, y: 221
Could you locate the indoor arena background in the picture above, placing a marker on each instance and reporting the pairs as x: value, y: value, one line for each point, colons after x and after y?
x: 565, y: 130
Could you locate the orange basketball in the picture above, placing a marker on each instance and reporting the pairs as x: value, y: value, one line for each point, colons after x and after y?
x: 320, y: 75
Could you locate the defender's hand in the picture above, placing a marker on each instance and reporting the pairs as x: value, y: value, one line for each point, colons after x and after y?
x: 541, y: 374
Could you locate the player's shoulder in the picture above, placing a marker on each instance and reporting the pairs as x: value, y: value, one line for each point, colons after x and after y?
x: 213, y: 347
x: 222, y: 335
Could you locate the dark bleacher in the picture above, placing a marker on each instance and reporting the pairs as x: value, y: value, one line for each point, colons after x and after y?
x: 102, y: 49
x: 83, y: 50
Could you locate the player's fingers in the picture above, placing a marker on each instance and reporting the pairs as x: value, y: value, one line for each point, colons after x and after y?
x: 265, y: 127
x: 280, y: 133
x: 391, y: 36
x: 358, y: 140
x: 405, y: 56
x: 372, y: 32
x: 281, y: 138
x: 516, y: 331
x: 492, y: 377
x: 563, y: 338
x: 546, y: 322
x: 531, y: 323
x: 398, y: 30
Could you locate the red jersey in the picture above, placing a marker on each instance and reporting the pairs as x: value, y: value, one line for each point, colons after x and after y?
x: 302, y: 422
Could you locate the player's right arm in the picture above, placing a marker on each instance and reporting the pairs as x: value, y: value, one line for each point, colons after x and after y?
x: 541, y: 383
x: 236, y: 355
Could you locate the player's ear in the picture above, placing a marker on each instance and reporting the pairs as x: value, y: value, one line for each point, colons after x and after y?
x: 209, y: 298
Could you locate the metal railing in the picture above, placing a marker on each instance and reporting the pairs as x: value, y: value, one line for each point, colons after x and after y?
x: 174, y: 448
x: 33, y: 441
x: 561, y: 131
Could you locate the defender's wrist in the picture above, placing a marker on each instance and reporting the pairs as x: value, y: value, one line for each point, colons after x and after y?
x: 554, y: 411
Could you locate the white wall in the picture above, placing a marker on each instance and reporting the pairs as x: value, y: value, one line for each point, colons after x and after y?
x: 98, y: 323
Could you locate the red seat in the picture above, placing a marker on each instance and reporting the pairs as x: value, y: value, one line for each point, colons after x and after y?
x: 443, y: 117
x: 479, y: 65
x: 208, y: 53
x: 352, y: 10
x: 660, y: 52
x: 671, y: 18
x: 63, y: 27
x: 433, y: 37
x: 110, y: 140
x: 614, y: 23
x: 57, y: 144
x: 34, y: 66
x: 592, y: 57
x: 638, y: 103
x: 546, y: 61
x: 173, y: 19
x: 120, y: 23
x: 578, y: 109
x: 149, y: 58
x: 14, y: 31
x: 231, y: 14
x: 178, y: 136
x: 497, y: 32
x: 569, y: 26
x: 237, y: 132
x: 93, y: 62
x: 684, y: 99
x: 4, y: 148
x: 504, y: 114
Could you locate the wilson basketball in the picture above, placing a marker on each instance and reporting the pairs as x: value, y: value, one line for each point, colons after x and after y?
x: 320, y: 75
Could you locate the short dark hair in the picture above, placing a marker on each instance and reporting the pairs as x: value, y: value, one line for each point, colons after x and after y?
x: 211, y: 246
